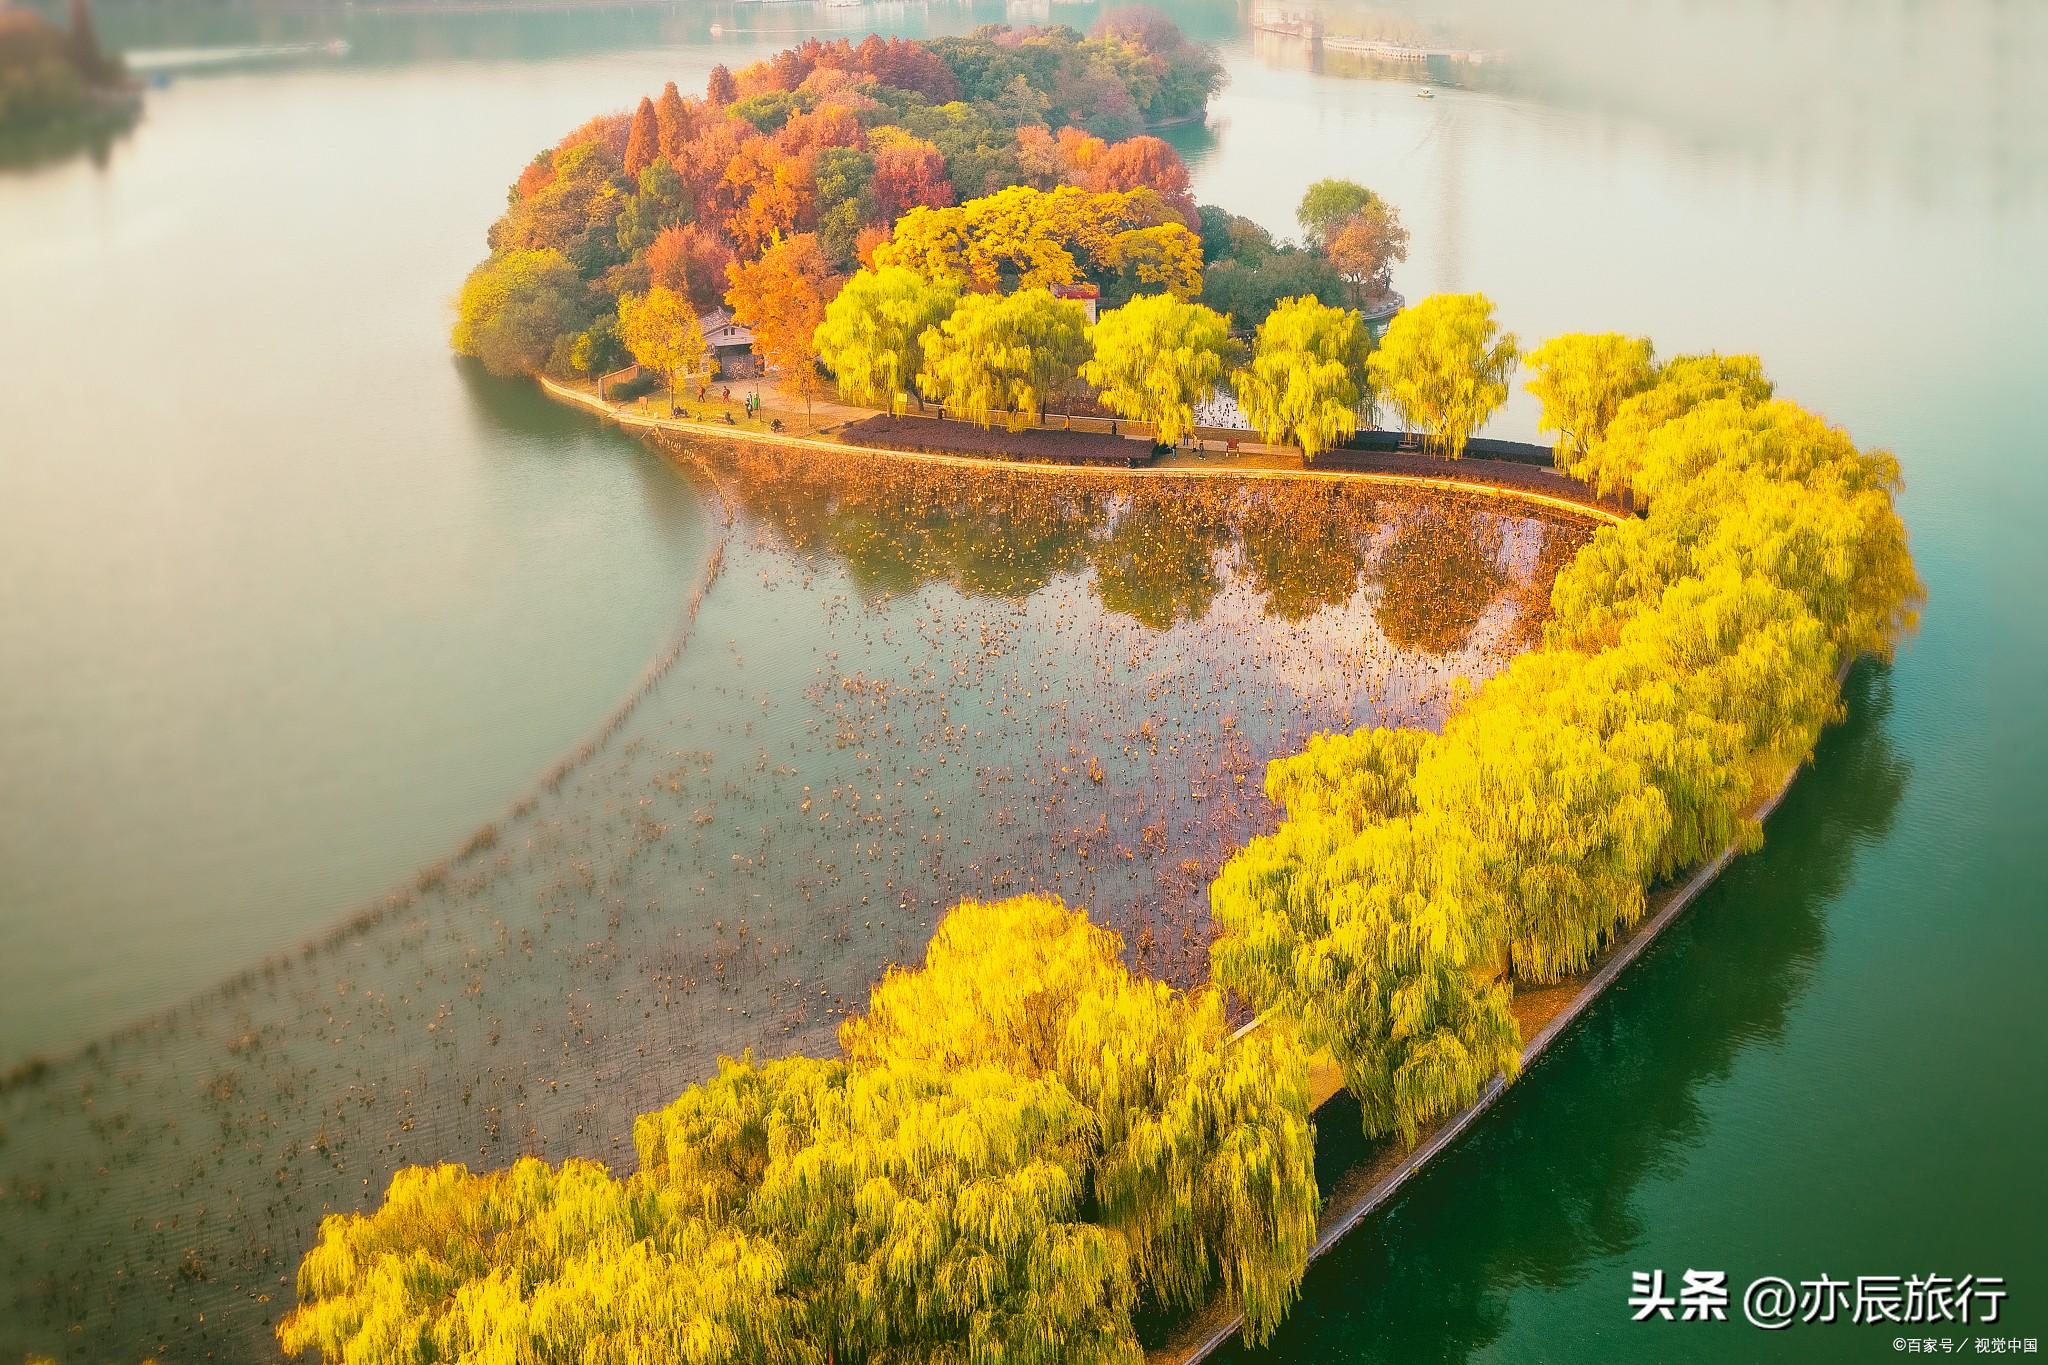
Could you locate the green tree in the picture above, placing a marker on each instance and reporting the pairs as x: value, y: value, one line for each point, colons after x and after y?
x: 1003, y: 355
x: 1444, y: 366
x: 872, y: 336
x: 659, y: 329
x: 513, y: 306
x: 1155, y: 358
x: 662, y: 201
x: 1248, y: 288
x: 597, y: 349
x: 1581, y: 379
x: 1307, y: 378
x: 1327, y: 205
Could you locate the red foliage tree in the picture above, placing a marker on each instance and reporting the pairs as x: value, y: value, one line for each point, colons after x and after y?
x: 671, y: 121
x: 829, y: 125
x: 867, y: 240
x: 609, y: 129
x: 721, y: 89
x: 909, y: 173
x: 1141, y: 26
x: 691, y: 260
x: 782, y: 297
x: 1144, y: 163
x: 538, y: 175
x: 643, y: 143
x: 1077, y: 149
x: 907, y: 65
x: 764, y: 194
x: 704, y: 163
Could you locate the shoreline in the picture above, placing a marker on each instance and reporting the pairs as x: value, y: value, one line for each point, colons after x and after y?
x: 1472, y: 475
x: 1371, y: 1183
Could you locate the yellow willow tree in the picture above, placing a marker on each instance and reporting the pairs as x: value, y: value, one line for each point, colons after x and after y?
x: 1443, y: 366
x: 1306, y: 383
x: 1685, y: 382
x: 659, y: 329
x: 1155, y: 358
x: 1201, y: 1153
x: 921, y: 1214
x: 1003, y: 355
x: 1762, y: 489
x: 1566, y: 833
x: 1691, y: 660
x: 1379, y: 944
x: 1581, y: 379
x: 872, y: 336
x: 535, y: 1262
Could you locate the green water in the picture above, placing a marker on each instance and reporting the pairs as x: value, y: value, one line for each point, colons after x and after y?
x: 290, y: 604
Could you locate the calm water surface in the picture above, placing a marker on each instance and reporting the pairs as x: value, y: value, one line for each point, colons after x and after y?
x: 290, y: 603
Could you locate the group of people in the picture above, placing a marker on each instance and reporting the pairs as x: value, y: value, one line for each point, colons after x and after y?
x: 751, y: 404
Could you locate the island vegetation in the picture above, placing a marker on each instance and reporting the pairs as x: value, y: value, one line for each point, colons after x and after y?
x: 59, y: 89
x: 797, y: 192
x: 1024, y: 1148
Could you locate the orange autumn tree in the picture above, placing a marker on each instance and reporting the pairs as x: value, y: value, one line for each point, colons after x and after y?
x: 782, y: 295
x: 909, y: 173
x: 643, y: 143
x: 1144, y: 163
x: 848, y: 141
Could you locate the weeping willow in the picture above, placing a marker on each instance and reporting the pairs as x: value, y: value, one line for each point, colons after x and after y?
x: 1201, y: 1153
x: 1024, y: 1144
x: 1690, y: 661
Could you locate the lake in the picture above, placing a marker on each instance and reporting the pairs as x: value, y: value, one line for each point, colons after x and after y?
x: 294, y: 608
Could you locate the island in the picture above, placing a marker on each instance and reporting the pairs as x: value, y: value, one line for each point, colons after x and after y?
x: 1024, y: 1149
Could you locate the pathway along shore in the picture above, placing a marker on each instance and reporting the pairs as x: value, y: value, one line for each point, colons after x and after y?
x: 1517, y: 480
x: 1544, y: 1013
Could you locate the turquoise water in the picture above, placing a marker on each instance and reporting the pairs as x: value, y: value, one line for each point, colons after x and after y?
x: 290, y: 604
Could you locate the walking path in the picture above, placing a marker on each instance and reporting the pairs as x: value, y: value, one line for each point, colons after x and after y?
x: 817, y: 430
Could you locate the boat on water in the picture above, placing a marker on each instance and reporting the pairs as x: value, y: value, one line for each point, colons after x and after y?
x: 1425, y: 93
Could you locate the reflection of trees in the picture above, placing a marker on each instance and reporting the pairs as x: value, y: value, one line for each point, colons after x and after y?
x: 1158, y: 564
x: 1155, y: 545
x: 1545, y: 1183
x: 1561, y: 540
x: 1303, y: 546
x: 898, y: 529
x: 1437, y: 577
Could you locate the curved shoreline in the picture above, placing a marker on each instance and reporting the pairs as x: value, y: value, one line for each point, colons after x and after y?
x: 1343, y: 1210
x: 1454, y: 479
x: 28, y: 1070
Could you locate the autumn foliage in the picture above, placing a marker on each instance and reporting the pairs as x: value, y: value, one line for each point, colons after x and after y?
x: 1024, y: 1145
x: 1691, y: 661
x: 835, y: 143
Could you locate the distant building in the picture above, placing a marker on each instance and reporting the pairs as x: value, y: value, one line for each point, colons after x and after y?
x: 732, y: 346
x: 1087, y: 295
